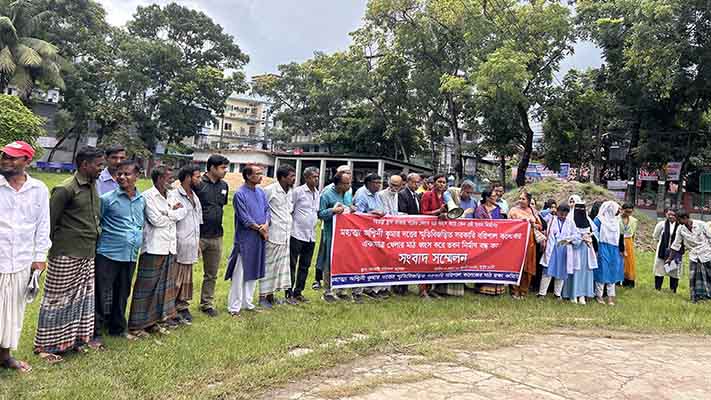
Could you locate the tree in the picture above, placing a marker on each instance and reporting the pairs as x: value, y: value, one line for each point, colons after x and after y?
x: 83, y: 37
x: 578, y: 115
x: 173, y: 71
x: 17, y: 122
x: 344, y: 102
x: 658, y: 65
x: 531, y: 39
x: 25, y: 59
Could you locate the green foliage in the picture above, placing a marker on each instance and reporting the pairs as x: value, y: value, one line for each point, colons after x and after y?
x: 134, y: 145
x: 25, y: 59
x: 17, y: 122
x: 577, y: 116
x: 656, y: 57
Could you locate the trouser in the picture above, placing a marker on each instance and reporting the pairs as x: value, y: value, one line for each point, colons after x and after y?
x: 659, y: 282
x: 211, y: 257
x: 301, y: 254
x: 113, y: 286
x: 241, y: 291
x: 546, y: 281
x: 599, y: 286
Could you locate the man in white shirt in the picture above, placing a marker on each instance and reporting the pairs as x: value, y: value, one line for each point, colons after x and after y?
x: 665, y: 234
x: 188, y: 235
x: 24, y: 230
x: 389, y: 196
x: 302, y: 243
x: 695, y: 236
x: 153, y: 302
x: 277, y: 275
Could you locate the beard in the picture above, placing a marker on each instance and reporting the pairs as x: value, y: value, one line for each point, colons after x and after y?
x: 9, y: 173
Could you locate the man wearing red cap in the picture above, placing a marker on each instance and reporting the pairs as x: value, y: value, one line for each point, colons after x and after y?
x: 24, y: 243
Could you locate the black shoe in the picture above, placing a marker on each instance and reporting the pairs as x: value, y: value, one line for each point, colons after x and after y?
x: 211, y: 312
x: 358, y: 298
x: 186, y: 315
x: 344, y: 297
x: 291, y: 301
x: 316, y: 285
x: 371, y: 294
x: 264, y: 303
x: 329, y: 298
x: 384, y: 294
x: 300, y: 298
x: 172, y: 323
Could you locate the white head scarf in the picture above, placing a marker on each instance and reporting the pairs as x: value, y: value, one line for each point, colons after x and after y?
x: 573, y: 200
x: 609, y: 223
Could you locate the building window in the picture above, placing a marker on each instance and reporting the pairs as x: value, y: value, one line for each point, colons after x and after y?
x: 252, y: 130
x: 228, y: 126
x: 241, y: 130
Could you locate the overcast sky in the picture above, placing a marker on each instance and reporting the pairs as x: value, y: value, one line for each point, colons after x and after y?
x: 274, y: 32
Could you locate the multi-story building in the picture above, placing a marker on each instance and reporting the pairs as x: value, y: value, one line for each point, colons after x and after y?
x: 244, y: 123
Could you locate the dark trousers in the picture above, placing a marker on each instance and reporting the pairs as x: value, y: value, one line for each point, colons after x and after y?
x: 300, y: 253
x: 113, y: 286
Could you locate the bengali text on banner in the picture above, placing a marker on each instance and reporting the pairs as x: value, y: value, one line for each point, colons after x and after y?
x: 398, y: 250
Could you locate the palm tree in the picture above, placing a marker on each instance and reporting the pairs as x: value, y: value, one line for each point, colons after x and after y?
x: 26, y: 60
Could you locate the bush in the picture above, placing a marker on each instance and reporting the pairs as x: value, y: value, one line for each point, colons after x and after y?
x: 17, y: 122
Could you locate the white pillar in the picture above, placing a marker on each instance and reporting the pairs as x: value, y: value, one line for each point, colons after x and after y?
x: 322, y: 175
x: 299, y: 172
x: 381, y: 167
x: 276, y: 166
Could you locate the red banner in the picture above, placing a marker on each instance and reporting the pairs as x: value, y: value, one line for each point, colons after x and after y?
x: 399, y: 250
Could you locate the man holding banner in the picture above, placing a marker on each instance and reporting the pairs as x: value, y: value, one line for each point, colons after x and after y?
x: 334, y: 202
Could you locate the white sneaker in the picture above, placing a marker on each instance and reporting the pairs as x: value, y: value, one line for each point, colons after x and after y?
x: 574, y: 300
x: 581, y: 300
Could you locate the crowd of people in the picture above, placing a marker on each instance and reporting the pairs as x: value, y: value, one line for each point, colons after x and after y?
x: 93, y: 232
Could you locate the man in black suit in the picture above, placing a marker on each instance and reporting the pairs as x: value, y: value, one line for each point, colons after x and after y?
x: 408, y: 202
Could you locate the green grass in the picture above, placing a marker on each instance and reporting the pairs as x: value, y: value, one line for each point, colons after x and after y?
x: 238, y: 358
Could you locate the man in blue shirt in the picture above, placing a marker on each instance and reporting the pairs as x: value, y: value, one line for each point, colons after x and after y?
x: 122, y: 217
x: 366, y: 198
x: 107, y: 180
x: 466, y: 199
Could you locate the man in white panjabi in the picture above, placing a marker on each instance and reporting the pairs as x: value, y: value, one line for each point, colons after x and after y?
x: 24, y: 238
x: 277, y: 274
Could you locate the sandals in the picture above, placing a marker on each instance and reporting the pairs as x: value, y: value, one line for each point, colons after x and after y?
x: 140, y: 334
x: 19, y: 366
x: 96, y: 345
x: 50, y: 358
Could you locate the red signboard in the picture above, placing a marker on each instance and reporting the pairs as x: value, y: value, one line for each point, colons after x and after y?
x: 399, y: 250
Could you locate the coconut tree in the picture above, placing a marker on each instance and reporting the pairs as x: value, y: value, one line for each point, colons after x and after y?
x: 26, y: 60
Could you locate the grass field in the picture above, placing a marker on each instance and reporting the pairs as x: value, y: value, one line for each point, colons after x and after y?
x: 238, y: 358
